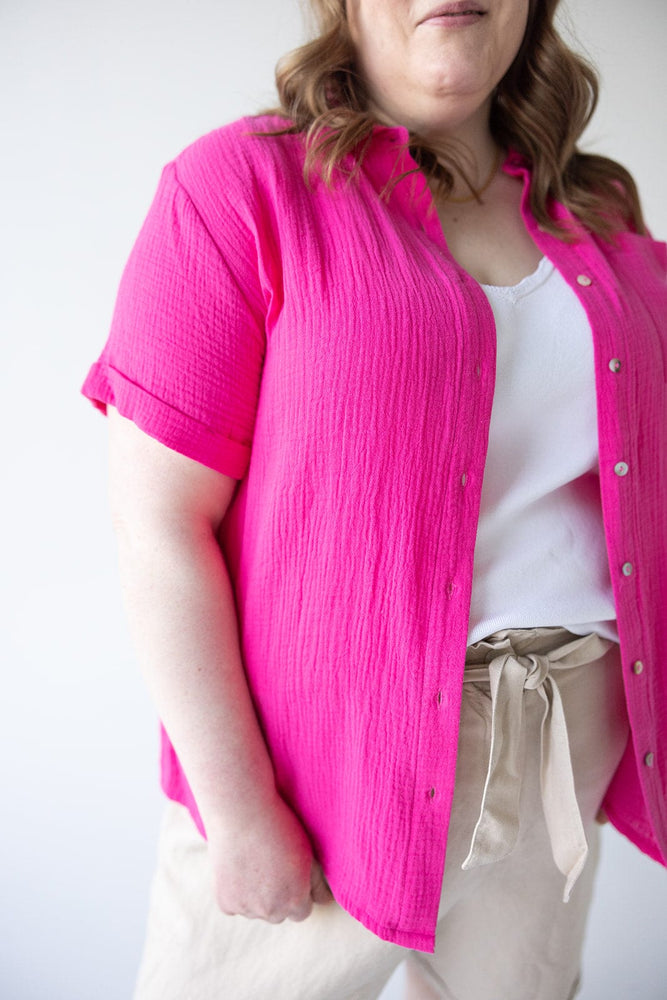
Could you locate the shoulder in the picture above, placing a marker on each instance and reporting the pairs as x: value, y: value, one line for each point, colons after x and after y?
x: 241, y: 159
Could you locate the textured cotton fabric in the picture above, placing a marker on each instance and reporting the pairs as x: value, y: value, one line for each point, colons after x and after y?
x: 540, y: 553
x: 323, y: 347
x: 532, y: 952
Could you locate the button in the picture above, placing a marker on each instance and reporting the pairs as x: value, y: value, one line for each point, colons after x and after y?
x: 584, y: 280
x: 649, y: 760
x: 438, y: 697
x: 627, y: 569
x: 615, y: 365
x: 432, y: 791
x: 464, y: 479
x: 637, y: 667
x: 478, y: 370
x: 621, y: 468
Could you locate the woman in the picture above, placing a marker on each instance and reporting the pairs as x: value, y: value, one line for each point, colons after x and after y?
x: 386, y: 387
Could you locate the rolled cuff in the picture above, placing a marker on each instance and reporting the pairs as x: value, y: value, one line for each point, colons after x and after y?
x: 168, y: 425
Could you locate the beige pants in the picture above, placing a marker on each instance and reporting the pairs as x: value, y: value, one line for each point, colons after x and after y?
x: 504, y: 931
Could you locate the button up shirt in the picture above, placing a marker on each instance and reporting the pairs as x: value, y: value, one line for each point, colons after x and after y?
x: 322, y: 346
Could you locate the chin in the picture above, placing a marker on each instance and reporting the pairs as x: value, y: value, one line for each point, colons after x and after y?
x: 467, y: 91
x: 446, y: 112
x: 454, y: 76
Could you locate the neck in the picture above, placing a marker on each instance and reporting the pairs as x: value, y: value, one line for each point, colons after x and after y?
x: 471, y: 142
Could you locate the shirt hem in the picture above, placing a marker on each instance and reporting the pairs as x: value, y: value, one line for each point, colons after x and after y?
x: 642, y: 840
x: 171, y: 427
x: 178, y: 792
x: 414, y: 940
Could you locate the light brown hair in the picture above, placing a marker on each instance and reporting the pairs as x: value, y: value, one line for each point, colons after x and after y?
x: 540, y: 109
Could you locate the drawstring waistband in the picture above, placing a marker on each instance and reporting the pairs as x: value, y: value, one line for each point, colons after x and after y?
x: 509, y: 673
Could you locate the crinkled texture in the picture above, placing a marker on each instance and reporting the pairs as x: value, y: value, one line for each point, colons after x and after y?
x: 322, y: 346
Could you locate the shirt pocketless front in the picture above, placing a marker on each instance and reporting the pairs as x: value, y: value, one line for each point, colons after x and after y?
x: 322, y: 346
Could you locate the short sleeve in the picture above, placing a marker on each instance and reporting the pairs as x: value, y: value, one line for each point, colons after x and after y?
x: 184, y: 354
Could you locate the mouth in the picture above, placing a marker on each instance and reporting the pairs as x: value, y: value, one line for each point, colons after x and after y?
x: 457, y: 9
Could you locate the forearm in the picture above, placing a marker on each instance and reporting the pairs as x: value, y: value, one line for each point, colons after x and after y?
x: 183, y: 621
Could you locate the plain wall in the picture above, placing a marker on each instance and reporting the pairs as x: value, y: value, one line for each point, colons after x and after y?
x: 96, y: 98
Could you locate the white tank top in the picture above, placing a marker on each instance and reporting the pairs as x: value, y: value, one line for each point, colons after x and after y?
x: 540, y: 554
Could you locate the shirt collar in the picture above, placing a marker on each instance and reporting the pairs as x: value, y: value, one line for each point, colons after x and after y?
x: 386, y: 139
x: 387, y: 156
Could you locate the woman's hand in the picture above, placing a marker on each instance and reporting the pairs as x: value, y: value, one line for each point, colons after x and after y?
x: 264, y: 867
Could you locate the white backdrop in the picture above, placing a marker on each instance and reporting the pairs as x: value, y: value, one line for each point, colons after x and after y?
x: 96, y: 98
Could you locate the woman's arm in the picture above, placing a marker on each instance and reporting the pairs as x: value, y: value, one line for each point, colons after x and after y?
x: 166, y: 511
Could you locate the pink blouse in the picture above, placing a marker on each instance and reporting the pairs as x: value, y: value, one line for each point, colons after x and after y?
x: 323, y: 347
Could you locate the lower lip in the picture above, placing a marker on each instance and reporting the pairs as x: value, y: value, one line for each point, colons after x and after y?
x: 454, y: 20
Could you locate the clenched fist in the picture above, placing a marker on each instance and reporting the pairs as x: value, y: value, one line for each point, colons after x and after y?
x: 263, y: 866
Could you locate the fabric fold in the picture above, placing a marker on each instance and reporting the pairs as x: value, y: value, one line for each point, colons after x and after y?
x: 509, y: 673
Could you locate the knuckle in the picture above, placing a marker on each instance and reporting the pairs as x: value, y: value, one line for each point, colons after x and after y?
x: 302, y: 911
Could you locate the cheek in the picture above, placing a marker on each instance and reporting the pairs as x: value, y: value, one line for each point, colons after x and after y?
x: 377, y: 37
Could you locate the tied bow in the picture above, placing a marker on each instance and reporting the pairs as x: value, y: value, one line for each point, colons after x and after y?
x: 509, y: 674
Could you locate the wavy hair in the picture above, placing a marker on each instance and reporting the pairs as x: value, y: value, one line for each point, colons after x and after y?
x: 540, y: 109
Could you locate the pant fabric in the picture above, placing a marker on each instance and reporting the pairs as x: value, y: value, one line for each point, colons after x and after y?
x: 504, y: 931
